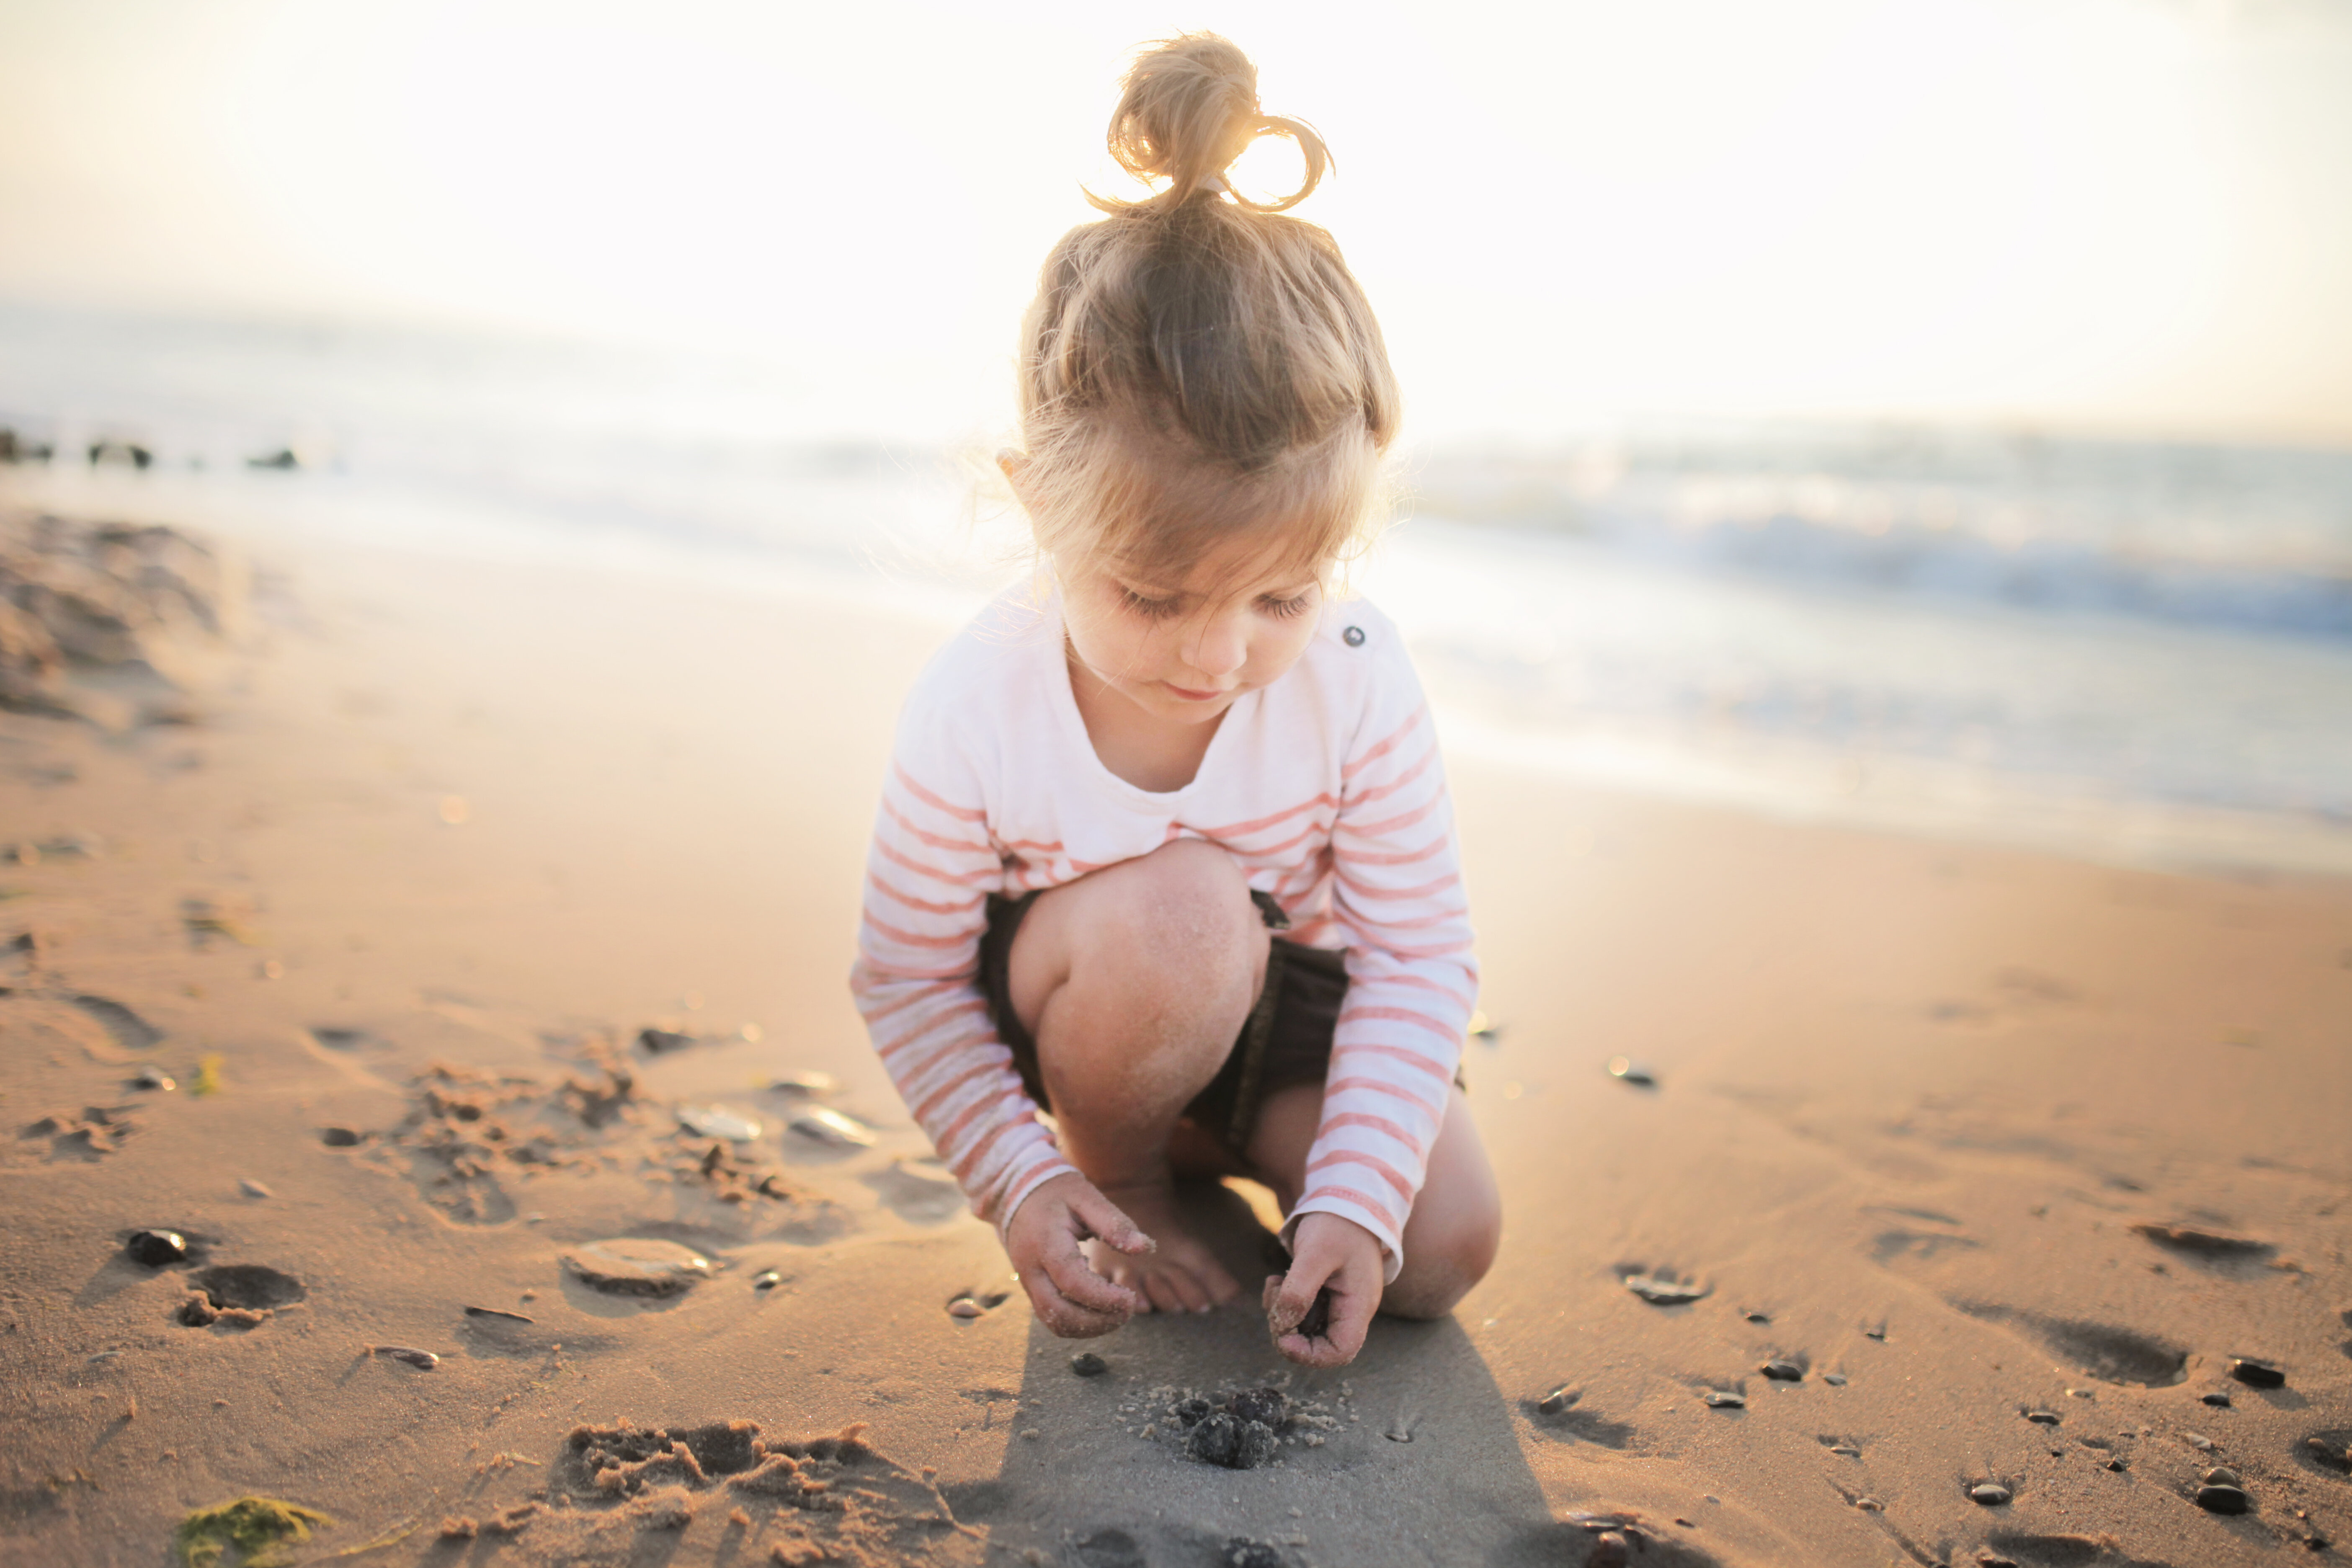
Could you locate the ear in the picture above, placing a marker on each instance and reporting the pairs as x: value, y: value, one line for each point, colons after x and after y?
x: 1014, y: 466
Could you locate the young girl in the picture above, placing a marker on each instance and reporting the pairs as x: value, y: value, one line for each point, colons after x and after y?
x: 1168, y: 855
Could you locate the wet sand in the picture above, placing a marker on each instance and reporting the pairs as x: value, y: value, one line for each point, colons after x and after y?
x: 391, y: 881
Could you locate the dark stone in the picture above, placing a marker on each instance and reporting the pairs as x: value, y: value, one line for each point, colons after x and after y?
x: 1241, y: 1552
x: 1783, y: 1371
x: 766, y: 1279
x: 1556, y: 1402
x: 498, y: 1312
x: 283, y: 460
x: 1223, y: 1438
x: 656, y: 1041
x: 2216, y: 1398
x: 2258, y: 1373
x: 1834, y: 1379
x: 1989, y: 1494
x: 2222, y: 1476
x: 1192, y: 1412
x: 1316, y: 1323
x: 2042, y: 1417
x: 1662, y: 1292
x: 156, y: 1249
x: 1718, y: 1399
x: 339, y: 1138
x: 1759, y: 1318
x: 1269, y: 1408
x: 2223, y: 1499
x: 2117, y: 1465
x: 1086, y: 1363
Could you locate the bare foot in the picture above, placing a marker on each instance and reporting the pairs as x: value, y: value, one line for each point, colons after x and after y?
x: 1179, y: 1275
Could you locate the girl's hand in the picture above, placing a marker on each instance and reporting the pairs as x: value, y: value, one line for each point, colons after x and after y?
x: 1333, y: 1254
x: 1071, y: 1299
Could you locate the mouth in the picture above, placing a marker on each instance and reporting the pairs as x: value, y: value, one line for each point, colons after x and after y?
x: 1191, y: 696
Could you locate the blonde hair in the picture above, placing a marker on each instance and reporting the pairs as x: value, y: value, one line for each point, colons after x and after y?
x: 1197, y: 367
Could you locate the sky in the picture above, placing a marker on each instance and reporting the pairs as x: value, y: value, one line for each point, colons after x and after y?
x: 2101, y: 215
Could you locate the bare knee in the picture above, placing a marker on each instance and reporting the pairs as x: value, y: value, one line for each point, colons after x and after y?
x: 1439, y: 1271
x: 1181, y: 915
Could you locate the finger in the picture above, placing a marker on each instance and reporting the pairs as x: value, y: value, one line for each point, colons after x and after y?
x: 1288, y: 1296
x: 1193, y: 1292
x: 1063, y: 1316
x: 1071, y: 1275
x: 1165, y: 1296
x: 1106, y: 1222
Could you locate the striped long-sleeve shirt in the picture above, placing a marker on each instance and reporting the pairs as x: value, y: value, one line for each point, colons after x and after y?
x: 1325, y: 786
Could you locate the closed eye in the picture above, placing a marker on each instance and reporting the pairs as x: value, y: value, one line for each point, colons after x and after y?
x: 1285, y: 608
x: 1149, y: 608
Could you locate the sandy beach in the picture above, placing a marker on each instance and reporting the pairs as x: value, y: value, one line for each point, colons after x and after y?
x: 1961, y: 1206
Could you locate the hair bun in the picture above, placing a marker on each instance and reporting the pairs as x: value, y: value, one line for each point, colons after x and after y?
x: 1188, y: 108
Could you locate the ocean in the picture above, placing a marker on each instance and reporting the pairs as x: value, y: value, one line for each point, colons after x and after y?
x: 2134, y: 651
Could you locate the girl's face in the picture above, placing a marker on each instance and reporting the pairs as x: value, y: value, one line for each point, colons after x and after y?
x: 1184, y: 651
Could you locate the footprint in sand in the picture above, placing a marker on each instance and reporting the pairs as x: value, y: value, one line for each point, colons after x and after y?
x: 129, y: 1030
x: 2106, y: 1351
x: 96, y: 1133
x: 1559, y: 1414
x: 237, y: 1296
x: 827, y: 1500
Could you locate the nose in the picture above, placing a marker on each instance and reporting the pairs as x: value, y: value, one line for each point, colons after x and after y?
x: 1221, y: 646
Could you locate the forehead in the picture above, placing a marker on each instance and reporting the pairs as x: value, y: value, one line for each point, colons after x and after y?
x: 1231, y: 568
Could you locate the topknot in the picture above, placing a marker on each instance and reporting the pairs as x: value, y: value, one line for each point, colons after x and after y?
x: 1187, y: 109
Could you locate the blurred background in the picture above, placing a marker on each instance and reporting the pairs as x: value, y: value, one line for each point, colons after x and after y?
x: 1934, y: 414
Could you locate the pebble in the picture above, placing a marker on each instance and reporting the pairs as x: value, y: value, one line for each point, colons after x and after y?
x: 964, y: 1307
x: 1086, y: 1363
x: 1269, y: 1408
x: 1633, y: 1072
x: 766, y: 1279
x: 632, y: 1265
x: 2217, y: 1399
x: 2258, y: 1373
x: 156, y: 1248
x: 496, y: 1312
x: 423, y: 1361
x: 2222, y: 1476
x: 1222, y: 1438
x: 1759, y: 1318
x: 1316, y: 1324
x: 1661, y: 1293
x: 1607, y: 1551
x: 1558, y: 1400
x: 1716, y: 1399
x: 2042, y: 1417
x: 339, y: 1138
x: 1834, y: 1379
x: 1989, y: 1494
x: 656, y: 1041
x: 2223, y: 1499
x: 252, y: 1188
x: 719, y: 1122
x: 2198, y: 1441
x: 1243, y: 1552
x: 1869, y: 1505
x: 1783, y: 1371
x: 807, y: 1085
x: 1847, y: 1450
x: 151, y: 1078
x: 827, y: 1125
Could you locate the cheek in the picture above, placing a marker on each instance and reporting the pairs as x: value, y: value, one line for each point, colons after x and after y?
x: 1278, y: 644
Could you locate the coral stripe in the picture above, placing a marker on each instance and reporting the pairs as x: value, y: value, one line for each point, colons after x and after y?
x: 911, y: 939
x: 1380, y: 1167
x: 952, y: 878
x: 928, y: 907
x: 1426, y: 889
x: 1365, y: 1119
x: 960, y: 812
x: 896, y: 1004
x: 1363, y: 1048
x: 1403, y: 780
x: 1390, y: 824
x: 1442, y: 1029
x: 1259, y: 824
x: 1351, y: 770
x: 1436, y: 845
x: 1364, y: 1201
x: 937, y: 841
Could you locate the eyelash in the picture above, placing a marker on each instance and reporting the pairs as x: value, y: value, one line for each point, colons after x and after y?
x: 1162, y: 609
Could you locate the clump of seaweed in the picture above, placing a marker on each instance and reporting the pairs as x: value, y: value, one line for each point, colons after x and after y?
x: 257, y: 1529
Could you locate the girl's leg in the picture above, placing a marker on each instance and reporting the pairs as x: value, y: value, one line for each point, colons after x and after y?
x: 1135, y: 982
x: 1456, y: 1222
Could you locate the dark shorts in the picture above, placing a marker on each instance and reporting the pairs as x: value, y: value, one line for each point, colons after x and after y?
x: 1286, y: 1041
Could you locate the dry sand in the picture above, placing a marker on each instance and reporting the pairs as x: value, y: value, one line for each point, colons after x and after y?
x: 422, y: 853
